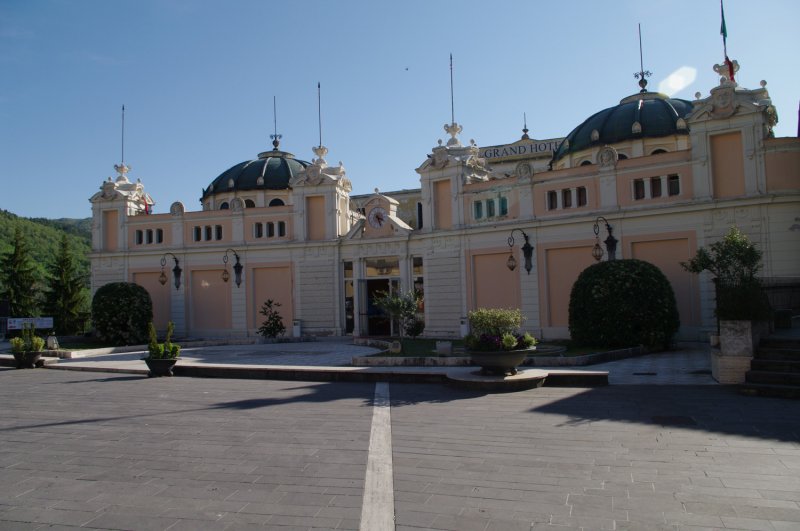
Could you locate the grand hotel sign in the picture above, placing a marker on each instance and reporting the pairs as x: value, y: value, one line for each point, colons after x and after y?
x: 524, y: 149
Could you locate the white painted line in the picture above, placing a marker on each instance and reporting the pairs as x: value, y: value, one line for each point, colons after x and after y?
x: 377, y: 510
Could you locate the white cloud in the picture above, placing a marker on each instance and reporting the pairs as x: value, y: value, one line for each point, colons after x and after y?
x: 678, y: 80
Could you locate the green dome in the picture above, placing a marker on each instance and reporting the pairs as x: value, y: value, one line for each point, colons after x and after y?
x: 272, y: 170
x: 657, y: 116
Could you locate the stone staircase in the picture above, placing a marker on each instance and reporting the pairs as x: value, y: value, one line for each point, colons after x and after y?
x: 775, y: 369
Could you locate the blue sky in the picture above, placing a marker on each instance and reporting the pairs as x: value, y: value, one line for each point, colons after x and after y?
x: 198, y: 78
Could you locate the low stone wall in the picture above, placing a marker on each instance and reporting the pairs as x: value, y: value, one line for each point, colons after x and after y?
x: 530, y: 361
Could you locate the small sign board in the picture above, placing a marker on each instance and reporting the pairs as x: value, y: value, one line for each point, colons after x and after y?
x: 18, y: 323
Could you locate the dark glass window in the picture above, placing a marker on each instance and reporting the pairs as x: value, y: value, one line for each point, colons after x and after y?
x: 503, y: 206
x: 478, y: 205
x: 224, y: 206
x: 655, y: 187
x: 638, y: 189
x: 276, y: 202
x: 281, y: 229
x: 552, y: 200
x: 582, y: 196
x: 258, y: 230
x: 674, y: 185
x: 566, y: 198
x: 270, y: 230
x: 159, y: 235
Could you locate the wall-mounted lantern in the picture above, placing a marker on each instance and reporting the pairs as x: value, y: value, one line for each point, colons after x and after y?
x: 176, y: 271
x: 527, y: 252
x: 237, y: 268
x: 611, y: 241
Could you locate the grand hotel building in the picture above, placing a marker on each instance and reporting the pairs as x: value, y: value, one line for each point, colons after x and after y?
x: 668, y: 175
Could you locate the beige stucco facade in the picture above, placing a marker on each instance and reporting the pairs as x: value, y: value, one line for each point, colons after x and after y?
x: 324, y: 254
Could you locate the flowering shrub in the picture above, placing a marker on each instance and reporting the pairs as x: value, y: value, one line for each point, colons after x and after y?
x: 167, y: 349
x: 494, y: 329
x: 27, y: 342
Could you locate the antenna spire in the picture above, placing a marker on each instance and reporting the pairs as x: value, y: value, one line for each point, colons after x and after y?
x: 275, y: 137
x: 122, y: 161
x: 452, y: 104
x: 642, y: 73
x: 319, y: 110
x: 525, y: 127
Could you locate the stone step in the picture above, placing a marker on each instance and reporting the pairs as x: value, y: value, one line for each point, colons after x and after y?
x: 777, y: 353
x: 775, y: 378
x: 759, y: 364
x: 779, y: 391
x: 780, y: 342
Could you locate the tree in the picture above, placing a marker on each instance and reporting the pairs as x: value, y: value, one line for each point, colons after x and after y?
x: 66, y: 299
x: 734, y: 261
x: 19, y: 281
x: 272, y: 326
x: 402, y: 309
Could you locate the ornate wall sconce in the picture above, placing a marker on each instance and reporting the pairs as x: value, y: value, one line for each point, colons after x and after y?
x: 527, y: 252
x: 611, y: 241
x: 176, y: 271
x: 237, y: 268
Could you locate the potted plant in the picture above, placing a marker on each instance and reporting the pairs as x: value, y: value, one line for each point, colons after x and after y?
x: 742, y: 307
x: 495, y: 342
x: 162, y: 356
x: 27, y: 348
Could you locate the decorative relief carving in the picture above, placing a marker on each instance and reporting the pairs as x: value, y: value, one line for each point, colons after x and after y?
x: 524, y: 171
x: 177, y: 209
x: 607, y: 157
x: 723, y: 102
x: 237, y: 205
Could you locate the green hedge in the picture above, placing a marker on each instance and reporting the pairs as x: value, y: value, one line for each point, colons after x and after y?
x: 623, y: 303
x: 121, y: 312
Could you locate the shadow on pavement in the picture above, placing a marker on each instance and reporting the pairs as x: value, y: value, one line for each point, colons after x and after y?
x: 710, y: 409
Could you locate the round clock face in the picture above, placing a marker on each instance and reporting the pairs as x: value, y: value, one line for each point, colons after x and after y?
x: 377, y: 217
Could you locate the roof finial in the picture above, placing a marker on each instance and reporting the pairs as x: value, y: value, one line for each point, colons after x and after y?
x: 453, y: 129
x: 642, y: 73
x: 121, y: 168
x: 319, y: 110
x: 123, y: 135
x: 452, y: 100
x: 525, y: 127
x: 276, y: 138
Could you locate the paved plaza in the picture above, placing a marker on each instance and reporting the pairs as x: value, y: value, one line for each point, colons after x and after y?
x: 98, y: 450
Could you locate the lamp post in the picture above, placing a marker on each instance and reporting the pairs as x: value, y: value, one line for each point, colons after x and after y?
x: 176, y: 271
x: 611, y: 241
x: 527, y: 252
x: 237, y: 268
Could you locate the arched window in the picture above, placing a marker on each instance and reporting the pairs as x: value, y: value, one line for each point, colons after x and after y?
x: 622, y: 156
x: 276, y: 202
x: 658, y: 151
x: 249, y: 203
x: 224, y: 206
x: 586, y: 163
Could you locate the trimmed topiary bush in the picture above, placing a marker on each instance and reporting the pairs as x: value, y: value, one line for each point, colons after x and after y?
x: 622, y: 303
x: 121, y: 312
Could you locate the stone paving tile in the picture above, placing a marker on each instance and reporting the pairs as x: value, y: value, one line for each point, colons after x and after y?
x: 139, y: 453
x: 636, y: 473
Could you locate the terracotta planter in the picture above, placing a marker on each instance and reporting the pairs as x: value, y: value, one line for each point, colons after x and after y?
x: 162, y: 367
x: 27, y: 360
x: 500, y: 362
